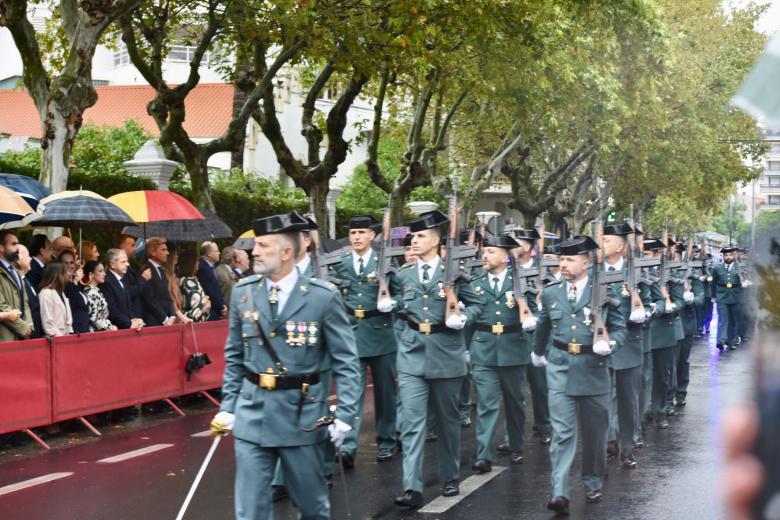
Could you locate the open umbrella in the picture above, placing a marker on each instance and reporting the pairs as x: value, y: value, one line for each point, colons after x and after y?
x: 155, y: 206
x: 209, y: 228
x: 30, y: 189
x: 81, y: 208
x: 15, y: 212
x: 246, y: 241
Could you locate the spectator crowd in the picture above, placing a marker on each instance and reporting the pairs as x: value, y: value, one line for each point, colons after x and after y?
x: 48, y: 288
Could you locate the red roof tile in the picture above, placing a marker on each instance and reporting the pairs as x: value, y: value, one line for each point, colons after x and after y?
x: 208, y: 106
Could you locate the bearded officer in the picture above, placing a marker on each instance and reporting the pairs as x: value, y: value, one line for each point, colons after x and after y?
x: 359, y: 284
x: 282, y: 327
x: 577, y: 373
x: 431, y: 358
x: 728, y: 296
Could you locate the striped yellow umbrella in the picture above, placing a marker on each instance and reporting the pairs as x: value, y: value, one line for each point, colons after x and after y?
x: 15, y: 212
x: 246, y: 241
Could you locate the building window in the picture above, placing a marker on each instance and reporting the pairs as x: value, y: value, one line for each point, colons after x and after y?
x: 773, y: 180
x: 773, y: 200
x: 775, y: 148
x: 177, y: 54
x: 121, y: 58
x: 773, y: 166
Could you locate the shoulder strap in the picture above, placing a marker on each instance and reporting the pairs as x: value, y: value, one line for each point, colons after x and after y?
x: 267, y: 344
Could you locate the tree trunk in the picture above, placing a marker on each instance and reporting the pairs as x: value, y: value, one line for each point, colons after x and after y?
x: 57, y: 143
x: 199, y: 175
x: 318, y: 195
x: 397, y: 207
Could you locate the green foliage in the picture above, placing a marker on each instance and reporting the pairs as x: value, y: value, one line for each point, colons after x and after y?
x: 768, y: 221
x: 731, y: 219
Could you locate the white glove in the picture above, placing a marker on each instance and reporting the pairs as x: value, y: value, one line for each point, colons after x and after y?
x: 222, y: 424
x: 670, y: 308
x: 529, y: 324
x: 688, y: 297
x: 702, y: 278
x: 538, y: 361
x: 456, y: 322
x: 338, y: 432
x: 709, y: 278
x: 385, y: 305
x: 637, y: 316
x: 713, y: 300
x: 648, y: 315
x: 461, y: 305
x: 467, y: 356
x: 602, y: 348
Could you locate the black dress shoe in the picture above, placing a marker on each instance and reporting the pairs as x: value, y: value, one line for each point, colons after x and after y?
x: 278, y: 493
x: 482, y: 466
x: 671, y: 412
x: 411, y: 499
x: 612, y: 449
x: 516, y: 457
x: 465, y: 423
x: 504, y: 447
x: 662, y: 424
x: 640, y: 444
x: 629, y: 462
x: 593, y: 497
x: 385, y: 454
x: 560, y: 505
x: 680, y: 402
x: 720, y: 347
x: 430, y: 436
x: 450, y: 488
x: 545, y: 439
x: 329, y: 480
x: 732, y: 347
x: 347, y: 460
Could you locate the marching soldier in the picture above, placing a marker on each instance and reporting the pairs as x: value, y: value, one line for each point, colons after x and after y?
x: 431, y: 359
x: 626, y: 362
x: 656, y: 309
x: 357, y: 274
x: 693, y: 298
x: 728, y: 296
x: 577, y: 374
x: 499, y: 353
x: 282, y: 326
x: 537, y: 380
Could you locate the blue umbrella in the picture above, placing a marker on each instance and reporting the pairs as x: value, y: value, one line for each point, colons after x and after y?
x: 81, y: 208
x: 30, y: 189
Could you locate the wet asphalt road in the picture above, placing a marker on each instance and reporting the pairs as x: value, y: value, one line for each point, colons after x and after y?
x: 677, y: 477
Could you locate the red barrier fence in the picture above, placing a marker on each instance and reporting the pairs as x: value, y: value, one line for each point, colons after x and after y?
x: 43, y: 382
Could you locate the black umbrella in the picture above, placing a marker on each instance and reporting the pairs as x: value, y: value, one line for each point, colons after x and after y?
x: 80, y: 208
x: 209, y: 228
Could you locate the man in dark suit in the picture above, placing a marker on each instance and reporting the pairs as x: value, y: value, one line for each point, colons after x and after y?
x: 41, y: 253
x: 134, y: 280
x: 209, y: 256
x: 156, y: 300
x: 116, y: 292
x: 25, y: 264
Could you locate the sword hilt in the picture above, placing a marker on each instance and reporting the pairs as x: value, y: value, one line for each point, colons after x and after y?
x: 325, y: 420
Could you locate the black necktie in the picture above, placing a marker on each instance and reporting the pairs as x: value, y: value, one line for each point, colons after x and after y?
x: 360, y: 265
x: 495, y: 284
x: 426, y: 277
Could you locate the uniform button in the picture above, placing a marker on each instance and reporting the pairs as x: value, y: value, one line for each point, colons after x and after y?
x: 498, y: 313
x: 272, y: 334
x: 425, y: 308
x: 498, y: 303
x: 425, y: 296
x: 574, y: 316
x: 243, y: 334
x: 360, y: 294
x: 573, y: 327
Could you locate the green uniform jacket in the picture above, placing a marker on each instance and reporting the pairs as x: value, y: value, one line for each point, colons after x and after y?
x: 689, y: 310
x: 440, y: 354
x: 10, y: 299
x: 566, y: 321
x: 666, y: 329
x: 721, y: 279
x: 507, y: 349
x: 269, y: 418
x: 657, y: 306
x: 374, y: 335
x: 630, y: 353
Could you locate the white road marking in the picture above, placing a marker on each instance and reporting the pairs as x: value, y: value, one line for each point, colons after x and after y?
x: 33, y: 482
x: 205, y: 433
x: 135, y: 453
x: 467, y: 487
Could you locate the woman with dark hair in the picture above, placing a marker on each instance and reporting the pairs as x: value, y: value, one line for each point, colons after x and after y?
x: 195, y: 304
x: 96, y: 302
x: 170, y: 267
x: 77, y: 299
x: 56, y: 317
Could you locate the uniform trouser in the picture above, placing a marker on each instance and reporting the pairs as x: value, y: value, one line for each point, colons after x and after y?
x: 707, y: 313
x: 624, y: 417
x: 684, y: 367
x: 444, y: 396
x: 385, y: 402
x: 537, y: 381
x: 493, y: 384
x: 305, y: 479
x: 671, y: 392
x: 328, y: 451
x: 646, y: 393
x: 663, y: 361
x: 700, y: 315
x: 728, y: 323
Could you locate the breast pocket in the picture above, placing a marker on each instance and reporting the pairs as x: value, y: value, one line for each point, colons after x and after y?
x: 555, y: 318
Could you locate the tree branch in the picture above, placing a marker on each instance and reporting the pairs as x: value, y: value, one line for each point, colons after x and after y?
x: 372, y: 162
x: 309, y: 130
x: 13, y: 15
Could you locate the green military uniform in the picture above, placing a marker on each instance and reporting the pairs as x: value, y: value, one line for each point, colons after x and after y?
x: 376, y: 348
x: 728, y: 297
x: 690, y: 327
x: 308, y: 328
x: 579, y: 384
x: 14, y: 296
x: 500, y: 349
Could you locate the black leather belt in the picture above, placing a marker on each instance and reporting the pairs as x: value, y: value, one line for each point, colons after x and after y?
x: 573, y: 348
x: 498, y: 328
x: 425, y: 328
x: 363, y: 313
x: 272, y: 381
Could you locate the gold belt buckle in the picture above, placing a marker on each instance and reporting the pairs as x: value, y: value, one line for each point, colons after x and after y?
x: 268, y: 380
x: 425, y: 328
x: 728, y: 286
x: 360, y: 313
x: 497, y: 328
x: 575, y: 348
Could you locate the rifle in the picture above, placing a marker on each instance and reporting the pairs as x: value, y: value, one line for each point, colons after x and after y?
x: 521, y: 287
x: 634, y: 265
x: 386, y: 254
x: 644, y: 275
x: 690, y: 264
x: 543, y: 263
x: 321, y: 262
x: 601, y: 282
x: 455, y: 253
x: 664, y: 280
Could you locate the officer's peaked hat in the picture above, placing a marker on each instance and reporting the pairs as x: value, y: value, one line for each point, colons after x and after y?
x: 654, y: 244
x: 502, y: 241
x: 428, y: 220
x: 578, y: 246
x: 284, y: 223
x: 618, y: 229
x: 364, y: 222
x: 531, y: 235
